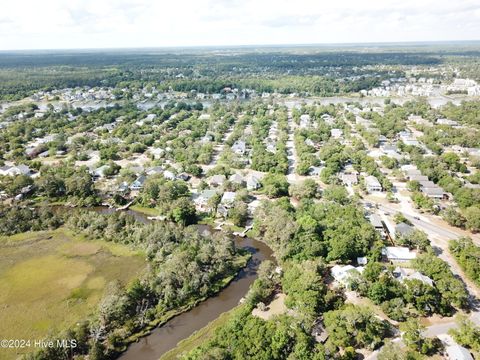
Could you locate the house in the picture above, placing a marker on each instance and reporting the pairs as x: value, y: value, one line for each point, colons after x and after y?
x: 15, y: 170
x: 403, y: 230
x: 319, y: 332
x: 253, y: 183
x: 349, y: 179
x: 167, y: 174
x: 304, y: 121
x: 418, y: 178
x: 315, y: 170
x: 236, y: 179
x: 420, y: 277
x: 156, y: 170
x: 228, y: 198
x: 372, y: 184
x: 344, y: 273
x: 362, y: 260
x: 336, y: 133
x: 157, y: 152
x: 184, y: 176
x: 99, y: 173
x: 207, y: 138
x: 122, y: 188
x: 398, y: 253
x: 457, y: 352
x: 138, y: 183
x: 216, y: 180
x: 434, y: 192
x: 309, y: 142
x: 204, y: 117
x: 239, y: 147
x: 201, y: 200
x: 447, y: 122
x: 376, y: 221
x: 271, y: 147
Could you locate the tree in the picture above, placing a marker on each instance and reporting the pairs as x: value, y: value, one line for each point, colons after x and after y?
x: 275, y: 185
x: 393, y: 351
x: 416, y: 239
x: 467, y: 334
x: 413, y: 186
x: 472, y: 217
x: 336, y: 193
x: 355, y: 326
x: 238, y: 213
x: 453, y: 217
x: 183, y: 211
x: 307, y: 189
x: 213, y: 202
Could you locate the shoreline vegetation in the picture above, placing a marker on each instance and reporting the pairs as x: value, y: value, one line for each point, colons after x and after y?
x: 117, y: 231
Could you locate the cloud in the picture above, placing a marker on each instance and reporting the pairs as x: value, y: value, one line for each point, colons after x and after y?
x: 134, y: 23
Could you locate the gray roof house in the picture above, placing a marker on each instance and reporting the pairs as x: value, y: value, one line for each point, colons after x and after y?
x: 372, y: 184
x: 138, y: 183
x: 457, y: 352
x: 217, y: 180
x: 403, y: 229
x: 253, y: 183
x: 236, y: 179
x: 15, y: 170
x: 239, y: 147
x: 201, y: 200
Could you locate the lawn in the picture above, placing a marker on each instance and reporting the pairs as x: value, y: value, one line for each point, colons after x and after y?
x: 51, y: 280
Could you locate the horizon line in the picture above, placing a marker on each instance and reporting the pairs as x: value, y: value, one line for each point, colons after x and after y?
x: 239, y: 46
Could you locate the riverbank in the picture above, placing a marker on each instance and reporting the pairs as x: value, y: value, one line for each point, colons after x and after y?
x: 169, y: 315
x: 198, y: 337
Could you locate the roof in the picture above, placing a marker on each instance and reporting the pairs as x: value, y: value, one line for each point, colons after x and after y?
x: 376, y: 221
x: 372, y: 181
x: 457, y: 352
x: 236, y: 178
x: 342, y: 273
x: 206, y: 194
x: 403, y: 229
x: 398, y: 253
x: 228, y: 196
x: 433, y: 191
x: 419, y: 276
x: 219, y: 179
x: 415, y: 177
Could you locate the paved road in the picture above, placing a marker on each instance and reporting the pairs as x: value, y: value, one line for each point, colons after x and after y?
x: 427, y: 227
x: 291, y: 151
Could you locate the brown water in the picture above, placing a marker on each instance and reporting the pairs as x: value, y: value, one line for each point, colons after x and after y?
x: 166, y: 337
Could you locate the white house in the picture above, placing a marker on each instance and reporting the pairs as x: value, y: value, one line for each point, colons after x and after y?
x: 344, y: 273
x: 239, y: 147
x: 336, y: 133
x: 15, y: 170
x: 201, y: 200
x: 253, y: 183
x: 372, y: 184
x: 398, y: 253
x: 457, y: 352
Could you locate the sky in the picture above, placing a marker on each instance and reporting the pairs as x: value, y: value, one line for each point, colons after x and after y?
x: 70, y: 24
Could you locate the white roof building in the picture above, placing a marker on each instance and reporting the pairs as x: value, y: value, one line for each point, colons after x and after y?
x: 398, y: 253
x: 457, y: 352
x: 344, y: 273
x: 372, y: 184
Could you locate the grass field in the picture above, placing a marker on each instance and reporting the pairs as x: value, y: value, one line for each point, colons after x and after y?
x: 50, y: 280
